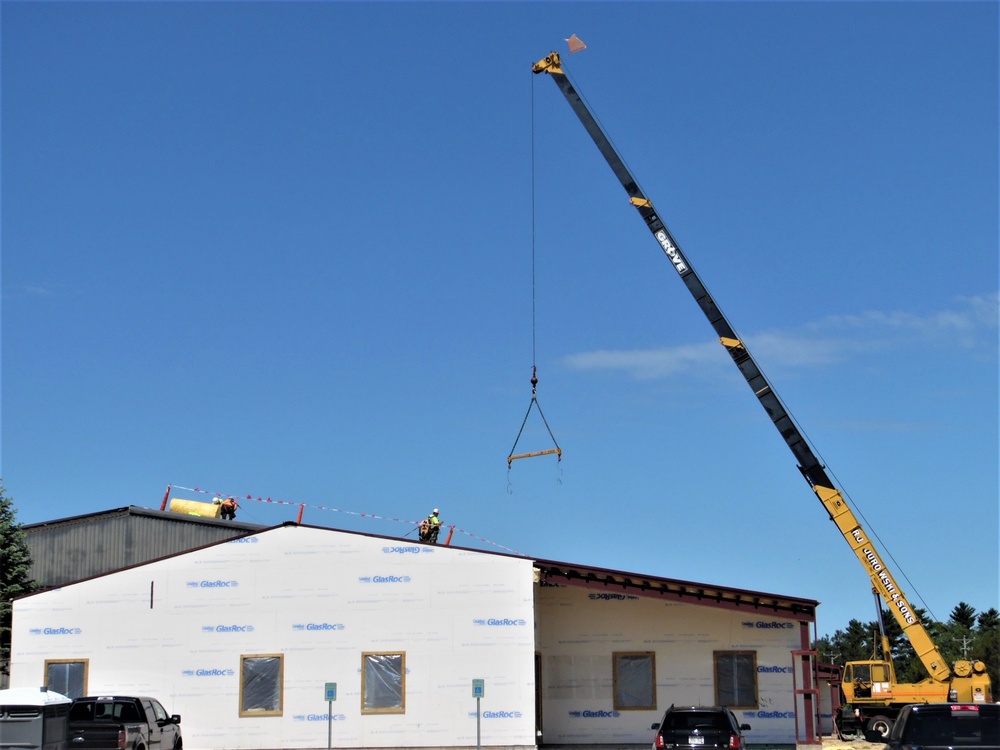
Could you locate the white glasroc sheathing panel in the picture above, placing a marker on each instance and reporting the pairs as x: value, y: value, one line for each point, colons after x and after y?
x: 580, y: 629
x: 176, y: 629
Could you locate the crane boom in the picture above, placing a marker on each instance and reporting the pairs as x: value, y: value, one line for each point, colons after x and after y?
x: 810, y: 466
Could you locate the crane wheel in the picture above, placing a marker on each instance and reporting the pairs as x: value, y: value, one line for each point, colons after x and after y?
x: 877, y: 729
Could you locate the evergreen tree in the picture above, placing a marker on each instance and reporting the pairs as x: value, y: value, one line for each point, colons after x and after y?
x: 856, y: 643
x: 15, y: 564
x: 966, y: 636
x: 907, y: 666
x: 987, y: 645
x: 964, y: 616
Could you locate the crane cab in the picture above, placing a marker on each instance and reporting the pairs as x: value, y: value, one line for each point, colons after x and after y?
x: 871, y: 679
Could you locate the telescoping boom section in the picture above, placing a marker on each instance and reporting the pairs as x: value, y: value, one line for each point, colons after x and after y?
x: 967, y: 681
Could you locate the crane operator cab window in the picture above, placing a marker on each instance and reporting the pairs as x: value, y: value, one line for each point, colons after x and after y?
x: 880, y: 678
x: 861, y: 676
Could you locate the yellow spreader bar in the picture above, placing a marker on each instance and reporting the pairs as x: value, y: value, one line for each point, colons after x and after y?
x: 512, y: 458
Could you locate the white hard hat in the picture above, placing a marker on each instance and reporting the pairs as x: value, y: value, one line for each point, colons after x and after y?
x: 436, y: 511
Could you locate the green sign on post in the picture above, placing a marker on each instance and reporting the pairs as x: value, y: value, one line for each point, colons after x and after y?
x: 478, y: 691
x: 329, y: 695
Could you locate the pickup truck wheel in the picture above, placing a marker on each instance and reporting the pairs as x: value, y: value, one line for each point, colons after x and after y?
x: 877, y: 729
x: 179, y: 745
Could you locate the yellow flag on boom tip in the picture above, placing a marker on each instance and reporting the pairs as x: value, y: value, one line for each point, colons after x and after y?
x: 575, y: 45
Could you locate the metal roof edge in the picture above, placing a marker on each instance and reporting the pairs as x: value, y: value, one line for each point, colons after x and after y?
x: 554, y: 572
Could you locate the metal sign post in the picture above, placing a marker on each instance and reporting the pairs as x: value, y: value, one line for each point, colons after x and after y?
x: 478, y: 690
x: 330, y: 693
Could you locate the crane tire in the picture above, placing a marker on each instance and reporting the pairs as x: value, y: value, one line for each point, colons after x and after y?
x: 877, y: 729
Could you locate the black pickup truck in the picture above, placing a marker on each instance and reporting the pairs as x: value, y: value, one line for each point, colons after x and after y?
x: 118, y: 722
x: 955, y: 726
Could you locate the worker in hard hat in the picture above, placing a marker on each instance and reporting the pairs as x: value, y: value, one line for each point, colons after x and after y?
x: 229, y: 509
x: 430, y: 527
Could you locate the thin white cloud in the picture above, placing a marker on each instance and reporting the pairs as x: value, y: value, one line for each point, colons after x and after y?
x: 646, y: 364
x: 37, y: 290
x: 969, y: 323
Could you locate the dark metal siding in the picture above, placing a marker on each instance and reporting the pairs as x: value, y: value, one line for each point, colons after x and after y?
x: 84, y: 546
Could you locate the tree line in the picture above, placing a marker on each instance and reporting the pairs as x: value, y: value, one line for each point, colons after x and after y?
x: 967, y: 634
x: 15, y: 567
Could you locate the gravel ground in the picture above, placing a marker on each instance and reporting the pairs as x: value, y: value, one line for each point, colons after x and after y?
x: 832, y: 743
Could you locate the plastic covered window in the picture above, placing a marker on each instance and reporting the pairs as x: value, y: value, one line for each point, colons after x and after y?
x: 67, y: 677
x: 383, y: 683
x: 635, y: 681
x: 261, y: 685
x: 736, y: 679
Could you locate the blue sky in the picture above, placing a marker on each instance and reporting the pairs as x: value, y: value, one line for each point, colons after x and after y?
x: 310, y: 252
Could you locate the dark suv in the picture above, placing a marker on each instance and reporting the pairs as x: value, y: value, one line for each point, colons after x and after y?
x: 698, y: 727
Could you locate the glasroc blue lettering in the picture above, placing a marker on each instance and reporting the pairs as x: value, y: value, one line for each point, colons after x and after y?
x: 775, y: 715
x: 323, y: 626
x: 212, y: 584
x: 384, y: 579
x: 227, y: 628
x: 212, y: 672
x: 600, y: 714
x: 773, y: 670
x: 61, y: 631
x: 322, y: 717
x: 767, y: 625
x: 414, y: 550
x: 504, y: 622
x: 501, y: 714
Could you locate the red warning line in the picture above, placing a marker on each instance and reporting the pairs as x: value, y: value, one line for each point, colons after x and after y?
x: 296, y: 504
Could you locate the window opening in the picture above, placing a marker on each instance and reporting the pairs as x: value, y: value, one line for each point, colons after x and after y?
x: 736, y: 679
x: 67, y: 676
x: 383, y: 682
x: 261, y: 684
x: 635, y: 681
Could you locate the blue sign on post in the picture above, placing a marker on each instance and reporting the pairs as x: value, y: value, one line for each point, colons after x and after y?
x: 331, y: 692
x: 478, y: 688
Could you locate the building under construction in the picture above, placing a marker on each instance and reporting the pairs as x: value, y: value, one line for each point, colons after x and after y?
x: 243, y: 630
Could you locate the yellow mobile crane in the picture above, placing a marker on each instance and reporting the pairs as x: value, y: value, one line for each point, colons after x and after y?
x: 871, y: 695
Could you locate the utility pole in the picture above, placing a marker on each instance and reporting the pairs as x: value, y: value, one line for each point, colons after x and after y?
x: 966, y: 645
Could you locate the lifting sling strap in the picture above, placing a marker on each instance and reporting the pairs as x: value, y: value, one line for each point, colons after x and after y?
x: 534, y: 402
